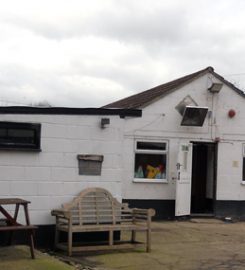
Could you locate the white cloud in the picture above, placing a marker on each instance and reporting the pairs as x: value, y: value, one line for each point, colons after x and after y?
x: 89, y: 53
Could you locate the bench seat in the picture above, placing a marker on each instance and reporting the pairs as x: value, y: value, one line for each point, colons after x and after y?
x: 101, y: 228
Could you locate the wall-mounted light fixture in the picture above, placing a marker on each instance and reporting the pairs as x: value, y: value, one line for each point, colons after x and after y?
x: 215, y: 87
x: 194, y: 116
x: 104, y: 122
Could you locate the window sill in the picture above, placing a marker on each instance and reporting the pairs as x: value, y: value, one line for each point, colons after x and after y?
x: 21, y: 149
x: 149, y: 181
x: 243, y: 183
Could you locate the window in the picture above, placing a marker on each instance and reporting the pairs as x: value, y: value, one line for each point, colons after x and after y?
x: 243, y: 167
x: 15, y: 135
x: 150, y: 161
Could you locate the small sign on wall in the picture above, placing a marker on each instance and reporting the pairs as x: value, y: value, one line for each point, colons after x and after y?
x: 235, y: 164
x: 90, y: 164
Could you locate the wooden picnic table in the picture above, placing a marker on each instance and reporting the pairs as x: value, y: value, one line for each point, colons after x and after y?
x: 11, y: 224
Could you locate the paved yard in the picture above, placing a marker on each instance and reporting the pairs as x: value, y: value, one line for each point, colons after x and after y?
x: 177, y: 245
x: 198, y: 244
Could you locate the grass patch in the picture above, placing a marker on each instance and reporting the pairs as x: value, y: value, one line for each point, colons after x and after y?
x: 19, y: 258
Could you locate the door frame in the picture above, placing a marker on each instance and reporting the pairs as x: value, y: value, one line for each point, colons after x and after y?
x: 215, y: 167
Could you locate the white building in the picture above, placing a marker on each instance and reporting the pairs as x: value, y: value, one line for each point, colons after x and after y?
x: 202, y: 165
x: 41, y: 149
x: 184, y: 155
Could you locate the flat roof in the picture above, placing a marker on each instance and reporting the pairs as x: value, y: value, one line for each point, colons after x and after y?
x: 70, y: 111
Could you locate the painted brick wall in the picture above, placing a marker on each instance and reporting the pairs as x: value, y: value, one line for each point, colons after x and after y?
x: 50, y: 177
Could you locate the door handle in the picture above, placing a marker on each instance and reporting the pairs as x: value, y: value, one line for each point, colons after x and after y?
x: 178, y: 165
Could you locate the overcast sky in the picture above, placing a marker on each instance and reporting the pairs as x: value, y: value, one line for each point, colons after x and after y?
x: 78, y: 53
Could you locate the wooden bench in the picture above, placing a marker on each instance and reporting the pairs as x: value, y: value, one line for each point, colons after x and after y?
x: 95, y: 210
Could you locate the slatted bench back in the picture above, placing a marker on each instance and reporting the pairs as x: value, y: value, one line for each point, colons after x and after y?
x: 95, y: 206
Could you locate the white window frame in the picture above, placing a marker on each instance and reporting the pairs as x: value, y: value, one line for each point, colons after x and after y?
x: 157, y: 152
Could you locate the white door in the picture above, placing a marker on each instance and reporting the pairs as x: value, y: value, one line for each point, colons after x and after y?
x: 183, y: 182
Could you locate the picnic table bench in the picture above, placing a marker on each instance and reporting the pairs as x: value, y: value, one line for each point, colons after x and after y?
x: 10, y: 224
x: 95, y: 210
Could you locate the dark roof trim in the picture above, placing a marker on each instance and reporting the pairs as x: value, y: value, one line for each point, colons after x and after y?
x: 70, y: 111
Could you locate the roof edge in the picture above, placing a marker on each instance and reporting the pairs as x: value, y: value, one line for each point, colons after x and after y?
x: 200, y: 73
x: 70, y: 111
x: 192, y: 76
x: 231, y: 85
x: 162, y: 90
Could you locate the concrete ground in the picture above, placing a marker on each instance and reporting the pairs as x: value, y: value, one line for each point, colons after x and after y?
x: 205, y: 244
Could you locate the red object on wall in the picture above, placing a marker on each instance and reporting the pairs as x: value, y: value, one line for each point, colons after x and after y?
x: 231, y: 113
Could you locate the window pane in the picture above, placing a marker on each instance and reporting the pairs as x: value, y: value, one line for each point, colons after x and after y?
x: 22, y: 136
x: 3, y: 134
x: 21, y: 132
x: 151, y: 146
x: 150, y: 166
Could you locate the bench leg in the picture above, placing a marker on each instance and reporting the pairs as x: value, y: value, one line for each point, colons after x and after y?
x: 10, y: 240
x: 111, y: 238
x: 70, y: 243
x: 31, y: 240
x: 148, y: 240
x: 56, y: 237
x: 133, y: 236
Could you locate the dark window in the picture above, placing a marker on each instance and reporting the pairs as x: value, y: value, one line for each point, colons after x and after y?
x: 15, y: 135
x: 151, y: 146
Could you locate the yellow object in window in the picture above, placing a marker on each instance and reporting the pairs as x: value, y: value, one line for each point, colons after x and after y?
x: 151, y: 171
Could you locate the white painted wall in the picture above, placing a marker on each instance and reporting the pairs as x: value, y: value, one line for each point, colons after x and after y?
x: 50, y: 177
x: 161, y: 121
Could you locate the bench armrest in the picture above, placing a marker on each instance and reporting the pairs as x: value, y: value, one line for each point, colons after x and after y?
x: 142, y: 215
x: 61, y: 213
x: 147, y: 212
